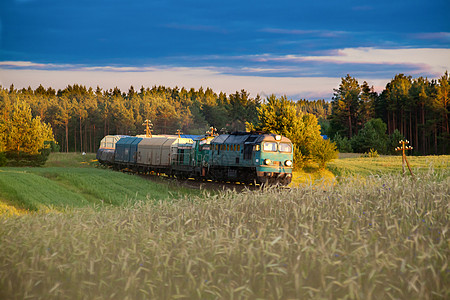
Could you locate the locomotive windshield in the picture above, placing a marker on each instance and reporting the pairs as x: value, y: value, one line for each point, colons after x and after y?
x: 270, y: 146
x: 284, y: 147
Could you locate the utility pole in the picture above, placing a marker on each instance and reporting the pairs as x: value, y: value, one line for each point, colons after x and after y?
x: 148, y: 124
x: 212, y: 131
x: 403, y: 148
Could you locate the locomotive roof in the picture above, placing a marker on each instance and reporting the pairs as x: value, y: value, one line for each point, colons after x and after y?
x: 220, y: 139
x: 245, y: 137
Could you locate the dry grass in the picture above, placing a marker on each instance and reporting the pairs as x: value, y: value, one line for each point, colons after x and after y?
x: 366, y: 166
x: 379, y: 237
x: 312, y: 176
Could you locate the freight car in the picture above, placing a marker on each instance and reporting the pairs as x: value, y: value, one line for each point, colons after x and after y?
x: 247, y: 157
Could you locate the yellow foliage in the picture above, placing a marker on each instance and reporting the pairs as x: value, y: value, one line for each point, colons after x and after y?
x: 23, y: 133
x: 9, y: 211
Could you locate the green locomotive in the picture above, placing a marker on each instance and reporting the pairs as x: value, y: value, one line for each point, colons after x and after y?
x: 246, y: 157
x: 243, y: 157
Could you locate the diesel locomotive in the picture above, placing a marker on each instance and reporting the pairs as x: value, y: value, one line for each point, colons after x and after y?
x: 246, y: 157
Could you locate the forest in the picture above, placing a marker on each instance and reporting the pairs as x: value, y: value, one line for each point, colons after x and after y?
x: 81, y: 116
x: 414, y: 108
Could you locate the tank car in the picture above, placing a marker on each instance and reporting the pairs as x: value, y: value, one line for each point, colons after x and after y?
x: 106, y: 151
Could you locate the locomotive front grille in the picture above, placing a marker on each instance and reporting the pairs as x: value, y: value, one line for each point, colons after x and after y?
x: 273, y: 174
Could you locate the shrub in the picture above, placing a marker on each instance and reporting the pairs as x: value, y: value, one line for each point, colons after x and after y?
x: 343, y: 144
x: 27, y: 141
x: 3, y: 159
x: 372, y: 136
x: 372, y: 153
x: 324, y: 151
x: 21, y: 159
x: 54, y: 146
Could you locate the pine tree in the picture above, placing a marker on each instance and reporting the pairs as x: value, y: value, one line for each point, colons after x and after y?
x: 345, y: 105
x: 441, y: 105
x: 399, y: 95
x: 366, y: 109
x: 23, y: 133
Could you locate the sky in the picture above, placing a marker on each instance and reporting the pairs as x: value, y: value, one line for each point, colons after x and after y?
x: 300, y: 49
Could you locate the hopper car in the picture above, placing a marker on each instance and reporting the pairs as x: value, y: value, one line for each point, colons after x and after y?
x: 245, y: 157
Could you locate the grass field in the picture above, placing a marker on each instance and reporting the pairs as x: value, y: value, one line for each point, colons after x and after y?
x: 372, y: 234
x: 71, y: 180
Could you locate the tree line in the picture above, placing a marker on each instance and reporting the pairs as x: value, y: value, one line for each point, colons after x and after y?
x: 414, y: 108
x: 357, y: 118
x: 81, y: 116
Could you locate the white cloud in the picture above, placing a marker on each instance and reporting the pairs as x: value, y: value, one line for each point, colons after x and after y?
x: 20, y: 64
x: 294, y: 87
x: 32, y: 65
x: 320, y: 33
x: 425, y: 60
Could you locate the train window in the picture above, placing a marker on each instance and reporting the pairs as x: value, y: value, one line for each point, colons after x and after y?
x: 238, y: 147
x: 284, y: 147
x: 228, y: 147
x: 270, y: 146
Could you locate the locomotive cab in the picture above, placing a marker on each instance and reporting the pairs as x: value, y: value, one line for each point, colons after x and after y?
x: 274, y: 159
x: 251, y: 157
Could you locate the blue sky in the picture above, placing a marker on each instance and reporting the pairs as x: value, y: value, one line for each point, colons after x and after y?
x: 297, y: 48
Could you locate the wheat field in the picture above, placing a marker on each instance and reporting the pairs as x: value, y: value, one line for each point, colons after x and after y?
x: 376, y: 237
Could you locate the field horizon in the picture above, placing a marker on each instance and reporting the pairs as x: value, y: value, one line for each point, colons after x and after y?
x: 70, y: 180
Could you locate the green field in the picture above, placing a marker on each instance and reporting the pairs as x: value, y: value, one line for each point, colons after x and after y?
x: 71, y: 180
x: 372, y: 235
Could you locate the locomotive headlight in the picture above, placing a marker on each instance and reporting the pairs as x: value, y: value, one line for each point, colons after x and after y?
x: 288, y: 163
x: 267, y: 161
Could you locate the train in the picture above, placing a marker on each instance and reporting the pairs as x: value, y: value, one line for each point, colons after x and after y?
x: 244, y: 157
